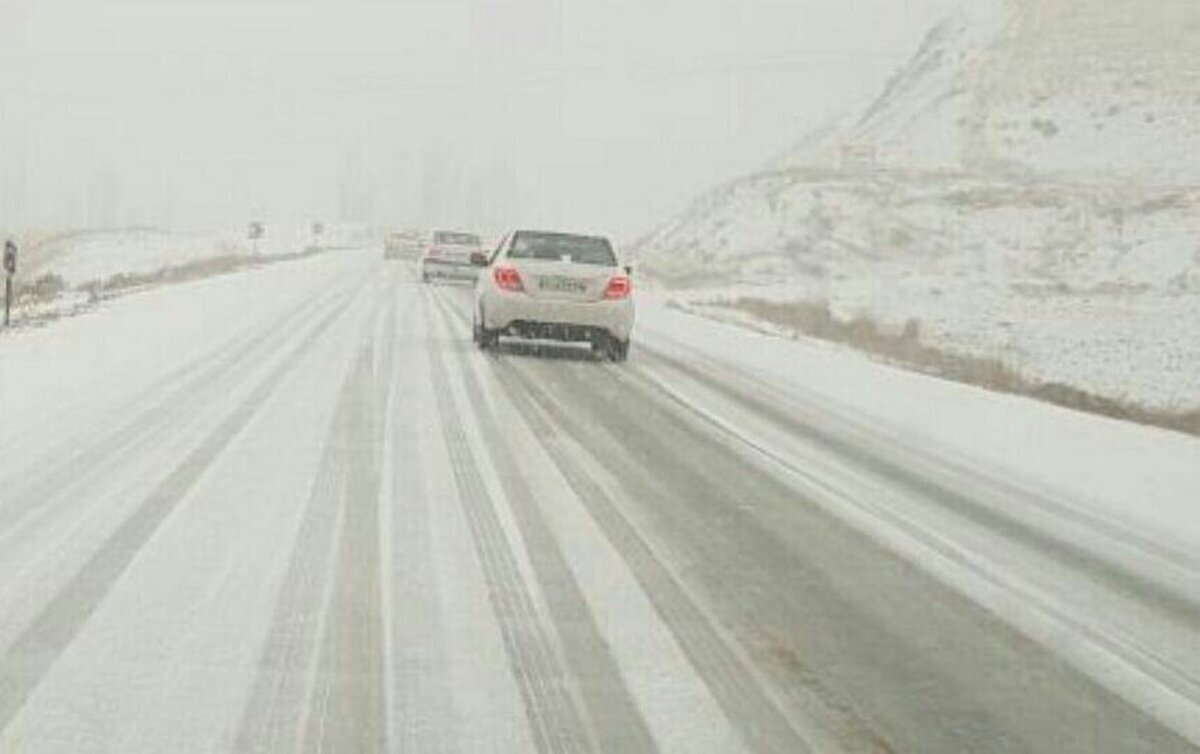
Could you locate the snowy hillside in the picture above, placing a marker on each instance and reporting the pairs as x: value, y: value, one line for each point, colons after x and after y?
x: 1024, y: 190
x: 920, y: 117
x: 1090, y: 286
x: 1096, y: 87
x: 1091, y: 88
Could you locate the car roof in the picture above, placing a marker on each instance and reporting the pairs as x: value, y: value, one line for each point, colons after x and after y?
x: 561, y: 234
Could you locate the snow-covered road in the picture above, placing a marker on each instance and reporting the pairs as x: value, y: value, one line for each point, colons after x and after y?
x: 294, y: 508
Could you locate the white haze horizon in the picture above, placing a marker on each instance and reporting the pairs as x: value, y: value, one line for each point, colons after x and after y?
x: 478, y: 113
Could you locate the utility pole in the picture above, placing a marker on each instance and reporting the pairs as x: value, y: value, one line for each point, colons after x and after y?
x: 10, y: 269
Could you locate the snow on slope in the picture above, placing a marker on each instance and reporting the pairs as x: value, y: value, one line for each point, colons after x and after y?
x: 920, y: 118
x: 1090, y: 287
x: 1020, y: 191
x: 1041, y: 87
x: 94, y: 256
x: 1095, y: 87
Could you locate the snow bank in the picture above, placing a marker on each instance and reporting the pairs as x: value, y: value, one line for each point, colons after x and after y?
x: 1146, y: 479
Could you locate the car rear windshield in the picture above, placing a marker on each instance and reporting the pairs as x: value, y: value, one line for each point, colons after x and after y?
x: 562, y: 247
x: 446, y: 238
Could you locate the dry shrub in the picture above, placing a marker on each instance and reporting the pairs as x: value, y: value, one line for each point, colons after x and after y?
x: 906, y: 349
x: 42, y: 289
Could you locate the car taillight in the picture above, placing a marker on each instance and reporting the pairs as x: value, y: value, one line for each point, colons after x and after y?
x: 508, y: 279
x: 619, y: 287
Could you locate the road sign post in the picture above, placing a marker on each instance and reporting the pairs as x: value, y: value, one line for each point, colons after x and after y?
x: 255, y: 233
x: 10, y: 269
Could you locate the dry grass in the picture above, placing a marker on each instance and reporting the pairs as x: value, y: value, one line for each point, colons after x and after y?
x: 31, y: 299
x: 40, y: 290
x: 906, y: 349
x: 188, y: 271
x: 180, y: 273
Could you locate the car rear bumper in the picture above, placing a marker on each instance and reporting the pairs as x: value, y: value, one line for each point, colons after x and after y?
x: 522, y: 316
x: 434, y: 267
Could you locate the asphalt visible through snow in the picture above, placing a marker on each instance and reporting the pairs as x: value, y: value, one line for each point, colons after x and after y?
x: 345, y: 529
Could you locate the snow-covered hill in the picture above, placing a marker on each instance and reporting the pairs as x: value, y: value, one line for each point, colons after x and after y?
x: 1078, y: 88
x: 1026, y: 189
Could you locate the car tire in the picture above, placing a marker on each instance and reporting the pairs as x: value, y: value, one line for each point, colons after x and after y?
x: 618, y: 350
x: 486, y: 339
x: 600, y: 346
x: 611, y: 348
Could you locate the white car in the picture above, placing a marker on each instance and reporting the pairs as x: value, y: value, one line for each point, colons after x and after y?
x: 554, y: 286
x: 448, y: 256
x: 402, y: 244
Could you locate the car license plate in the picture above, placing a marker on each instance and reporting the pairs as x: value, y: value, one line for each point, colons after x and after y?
x: 562, y: 285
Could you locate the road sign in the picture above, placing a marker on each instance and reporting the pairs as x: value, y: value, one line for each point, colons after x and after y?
x: 256, y: 230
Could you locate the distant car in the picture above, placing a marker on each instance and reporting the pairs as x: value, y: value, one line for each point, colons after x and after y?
x: 554, y: 286
x: 402, y: 244
x: 448, y: 256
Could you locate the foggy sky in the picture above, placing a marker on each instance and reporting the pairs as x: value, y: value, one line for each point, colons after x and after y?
x: 603, y: 115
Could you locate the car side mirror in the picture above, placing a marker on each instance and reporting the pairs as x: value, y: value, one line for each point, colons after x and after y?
x: 479, y: 259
